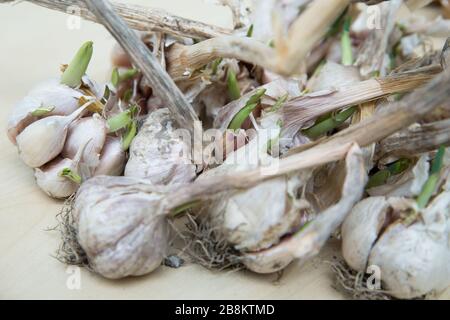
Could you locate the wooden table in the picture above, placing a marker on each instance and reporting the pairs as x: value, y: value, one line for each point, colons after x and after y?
x: 34, y: 42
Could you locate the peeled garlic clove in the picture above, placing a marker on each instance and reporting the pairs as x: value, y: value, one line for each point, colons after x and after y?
x: 58, y: 98
x: 360, y: 230
x: 82, y: 130
x: 50, y: 180
x: 112, y: 158
x: 158, y: 154
x: 44, y: 139
x: 121, y: 225
x: 308, y: 241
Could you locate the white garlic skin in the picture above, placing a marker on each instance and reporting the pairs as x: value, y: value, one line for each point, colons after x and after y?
x: 90, y: 130
x: 49, y: 180
x: 124, y: 231
x: 49, y: 94
x: 157, y: 154
x: 412, y: 261
x: 360, y: 230
x: 44, y: 139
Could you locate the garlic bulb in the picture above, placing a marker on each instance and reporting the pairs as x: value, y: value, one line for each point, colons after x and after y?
x: 333, y: 75
x: 158, y: 154
x: 112, y: 158
x: 122, y: 228
x: 408, y: 184
x: 92, y: 128
x: 51, y: 96
x: 44, y: 139
x: 415, y: 260
x: 307, y: 242
x: 256, y: 218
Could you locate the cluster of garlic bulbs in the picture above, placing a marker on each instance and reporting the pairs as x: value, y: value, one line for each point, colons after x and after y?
x: 273, y: 95
x: 59, y: 133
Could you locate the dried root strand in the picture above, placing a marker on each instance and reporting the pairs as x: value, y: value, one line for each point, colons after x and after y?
x: 353, y: 284
x: 69, y: 252
x: 204, y: 246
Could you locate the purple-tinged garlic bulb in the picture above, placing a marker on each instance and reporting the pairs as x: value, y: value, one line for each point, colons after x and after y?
x: 158, y: 154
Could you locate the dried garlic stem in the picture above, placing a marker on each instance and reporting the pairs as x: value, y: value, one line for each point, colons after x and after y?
x: 183, y: 60
x: 391, y: 119
x: 305, y: 33
x: 305, y: 108
x: 160, y: 81
x: 141, y: 18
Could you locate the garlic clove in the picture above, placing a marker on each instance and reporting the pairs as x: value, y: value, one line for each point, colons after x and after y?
x: 50, y: 180
x: 61, y: 99
x: 112, y: 158
x: 44, y: 139
x: 158, y: 154
x: 360, y: 230
x: 122, y: 228
x: 80, y: 131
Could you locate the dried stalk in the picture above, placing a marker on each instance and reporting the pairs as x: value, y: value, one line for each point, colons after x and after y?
x: 160, y: 81
x: 305, y: 108
x: 416, y: 140
x: 306, y: 32
x: 183, y: 60
x: 141, y: 18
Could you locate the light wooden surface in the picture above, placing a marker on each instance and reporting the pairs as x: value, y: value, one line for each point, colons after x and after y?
x: 34, y: 42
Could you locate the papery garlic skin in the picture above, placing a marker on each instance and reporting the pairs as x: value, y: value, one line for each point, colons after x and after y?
x: 333, y: 75
x: 112, y: 159
x: 44, y: 139
x: 49, y: 94
x: 92, y: 128
x: 158, y: 154
x: 360, y: 230
x: 49, y: 180
x: 123, y: 230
